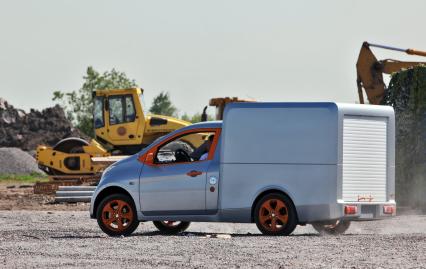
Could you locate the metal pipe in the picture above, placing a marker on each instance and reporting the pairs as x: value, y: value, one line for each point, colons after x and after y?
x: 408, y: 51
x: 386, y: 47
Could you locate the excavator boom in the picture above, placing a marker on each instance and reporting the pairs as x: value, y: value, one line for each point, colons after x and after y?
x: 370, y: 71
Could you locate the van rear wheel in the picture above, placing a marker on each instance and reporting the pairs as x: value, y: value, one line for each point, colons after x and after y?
x: 332, y: 228
x: 171, y: 227
x: 275, y: 214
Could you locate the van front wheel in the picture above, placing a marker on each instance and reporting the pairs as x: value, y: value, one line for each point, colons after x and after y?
x: 117, y: 216
x: 275, y: 215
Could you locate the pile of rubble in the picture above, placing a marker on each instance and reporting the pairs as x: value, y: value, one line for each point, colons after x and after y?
x: 27, y: 130
x: 407, y: 94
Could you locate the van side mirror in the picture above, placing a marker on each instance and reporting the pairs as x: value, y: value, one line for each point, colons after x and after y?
x: 149, y: 160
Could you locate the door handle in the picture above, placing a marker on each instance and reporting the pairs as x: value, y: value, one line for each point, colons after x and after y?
x: 194, y: 173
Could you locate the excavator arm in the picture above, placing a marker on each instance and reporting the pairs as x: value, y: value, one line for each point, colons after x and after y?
x: 370, y: 71
x: 220, y: 104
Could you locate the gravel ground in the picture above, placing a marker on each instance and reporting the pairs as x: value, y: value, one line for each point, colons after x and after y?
x: 46, y: 239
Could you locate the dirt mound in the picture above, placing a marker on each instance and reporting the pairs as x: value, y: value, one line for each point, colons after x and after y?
x: 407, y: 95
x: 16, y: 161
x: 27, y: 130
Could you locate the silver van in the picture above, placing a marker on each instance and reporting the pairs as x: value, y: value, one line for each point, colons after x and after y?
x: 278, y: 165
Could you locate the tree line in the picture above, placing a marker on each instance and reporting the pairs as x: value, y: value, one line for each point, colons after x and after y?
x: 78, y: 104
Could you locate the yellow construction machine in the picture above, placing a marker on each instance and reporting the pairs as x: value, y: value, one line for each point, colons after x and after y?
x: 370, y: 71
x: 121, y: 128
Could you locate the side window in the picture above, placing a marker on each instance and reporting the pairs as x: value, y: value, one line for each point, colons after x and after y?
x: 116, y: 115
x: 98, y: 112
x: 130, y: 109
x: 191, y: 147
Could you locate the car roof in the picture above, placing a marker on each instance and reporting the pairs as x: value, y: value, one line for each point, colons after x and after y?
x: 204, y: 124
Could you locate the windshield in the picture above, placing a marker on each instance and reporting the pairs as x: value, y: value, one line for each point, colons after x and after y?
x: 98, y: 109
x: 142, y: 99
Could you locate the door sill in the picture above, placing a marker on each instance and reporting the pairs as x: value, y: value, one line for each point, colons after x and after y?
x: 180, y: 212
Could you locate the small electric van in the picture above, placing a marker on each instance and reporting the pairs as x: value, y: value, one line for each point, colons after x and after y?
x: 278, y: 165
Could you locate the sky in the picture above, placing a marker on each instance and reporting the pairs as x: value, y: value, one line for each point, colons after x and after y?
x: 196, y: 50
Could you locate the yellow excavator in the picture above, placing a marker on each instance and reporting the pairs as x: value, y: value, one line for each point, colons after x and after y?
x: 121, y: 128
x: 370, y: 71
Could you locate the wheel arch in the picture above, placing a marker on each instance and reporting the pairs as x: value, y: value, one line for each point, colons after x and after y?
x: 106, y: 192
x: 265, y: 192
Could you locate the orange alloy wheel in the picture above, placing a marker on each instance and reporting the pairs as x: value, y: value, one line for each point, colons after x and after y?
x: 273, y: 215
x: 117, y: 215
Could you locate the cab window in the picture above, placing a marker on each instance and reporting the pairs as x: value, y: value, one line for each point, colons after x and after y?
x: 116, y: 113
x: 130, y: 109
x: 121, y: 109
x: 191, y: 147
x: 98, y: 112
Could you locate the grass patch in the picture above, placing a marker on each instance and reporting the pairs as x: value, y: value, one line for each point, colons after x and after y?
x: 28, y: 178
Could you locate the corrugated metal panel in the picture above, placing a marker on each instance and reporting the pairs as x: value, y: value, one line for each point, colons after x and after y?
x: 364, y: 158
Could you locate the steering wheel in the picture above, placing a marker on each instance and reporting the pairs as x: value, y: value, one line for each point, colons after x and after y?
x: 182, y: 156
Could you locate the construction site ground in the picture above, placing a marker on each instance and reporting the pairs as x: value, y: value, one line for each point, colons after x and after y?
x: 20, y: 196
x: 67, y: 239
x: 35, y: 232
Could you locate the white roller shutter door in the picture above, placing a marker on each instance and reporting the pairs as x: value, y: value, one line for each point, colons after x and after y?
x: 364, y: 159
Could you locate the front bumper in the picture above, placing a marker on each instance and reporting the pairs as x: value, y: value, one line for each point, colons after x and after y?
x: 92, y: 204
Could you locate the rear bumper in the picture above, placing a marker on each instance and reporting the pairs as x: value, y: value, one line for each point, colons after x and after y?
x: 367, y: 210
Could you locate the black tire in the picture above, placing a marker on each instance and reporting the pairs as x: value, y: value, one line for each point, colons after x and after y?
x: 127, y: 220
x: 171, y: 227
x: 281, y: 219
x: 332, y: 228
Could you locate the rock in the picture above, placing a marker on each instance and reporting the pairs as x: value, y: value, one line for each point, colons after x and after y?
x: 28, y: 130
x: 17, y: 162
x: 224, y: 236
x: 3, y: 103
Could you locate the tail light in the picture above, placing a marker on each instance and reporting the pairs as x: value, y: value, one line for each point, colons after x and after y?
x: 351, y: 209
x: 389, y: 209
